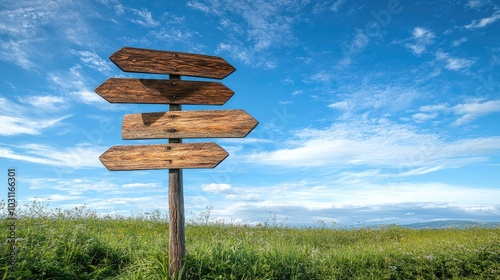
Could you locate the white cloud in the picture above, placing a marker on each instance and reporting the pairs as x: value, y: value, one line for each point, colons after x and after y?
x: 141, y: 185
x: 266, y: 26
x: 304, y: 202
x: 430, y: 112
x: 452, y: 63
x: 144, y: 18
x: 246, y: 140
x: 342, y: 105
x: 24, y: 27
x: 423, y: 117
x: 374, y: 98
x: 475, y: 24
x: 49, y: 103
x: 59, y: 197
x: 422, y: 38
x: 476, y: 3
x: 199, y: 6
x: 17, y: 119
x: 434, y: 108
x: 88, y: 97
x: 458, y: 42
x: 356, y: 46
x: 94, y: 61
x: 336, y: 6
x: 373, y: 143
x: 78, y: 156
x: 474, y: 110
x: 18, y: 53
x: 322, y: 76
x: 216, y: 188
x: 119, y: 9
x: 10, y: 125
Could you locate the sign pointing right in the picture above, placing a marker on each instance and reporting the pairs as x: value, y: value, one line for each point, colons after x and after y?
x: 188, y: 124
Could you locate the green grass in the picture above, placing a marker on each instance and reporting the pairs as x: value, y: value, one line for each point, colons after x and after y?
x: 78, y: 245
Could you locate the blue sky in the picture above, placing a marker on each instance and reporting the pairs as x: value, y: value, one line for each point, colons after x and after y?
x: 369, y: 111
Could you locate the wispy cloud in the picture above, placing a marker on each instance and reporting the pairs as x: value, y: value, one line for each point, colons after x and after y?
x: 74, y: 84
x: 454, y: 63
x: 180, y: 33
x: 336, y: 6
x: 94, y: 61
x: 430, y: 112
x: 424, y: 117
x: 50, y: 103
x: 10, y: 125
x: 481, y: 23
x: 421, y: 39
x: 356, y: 46
x: 266, y: 26
x: 88, y: 97
x: 71, y: 186
x: 355, y: 99
x: 24, y: 26
x: 144, y: 18
x: 458, y: 42
x: 216, y: 188
x: 308, y: 202
x: 474, y: 110
x: 476, y: 3
x: 375, y: 143
x: 78, y: 156
x: 17, y: 120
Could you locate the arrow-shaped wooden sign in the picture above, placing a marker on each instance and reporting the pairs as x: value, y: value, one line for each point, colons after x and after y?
x: 188, y: 124
x: 163, y: 156
x: 149, y: 91
x: 176, y: 63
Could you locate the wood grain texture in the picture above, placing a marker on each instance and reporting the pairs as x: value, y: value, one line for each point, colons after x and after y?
x: 152, y: 91
x: 177, y: 239
x: 168, y: 62
x: 163, y: 156
x: 188, y: 124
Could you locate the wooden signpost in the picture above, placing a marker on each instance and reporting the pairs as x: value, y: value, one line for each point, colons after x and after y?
x: 174, y: 124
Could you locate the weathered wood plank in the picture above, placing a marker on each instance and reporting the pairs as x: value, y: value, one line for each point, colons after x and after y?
x: 163, y: 156
x: 152, y: 91
x: 188, y: 124
x: 168, y: 62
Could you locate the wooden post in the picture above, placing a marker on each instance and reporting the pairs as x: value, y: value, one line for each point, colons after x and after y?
x: 172, y: 125
x: 176, y: 243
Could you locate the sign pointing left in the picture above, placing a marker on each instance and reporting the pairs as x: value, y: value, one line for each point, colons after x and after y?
x: 163, y: 156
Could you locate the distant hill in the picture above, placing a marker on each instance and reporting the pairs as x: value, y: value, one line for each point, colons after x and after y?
x: 452, y: 223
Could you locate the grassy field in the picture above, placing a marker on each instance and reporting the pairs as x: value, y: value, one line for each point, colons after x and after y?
x: 78, y: 245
